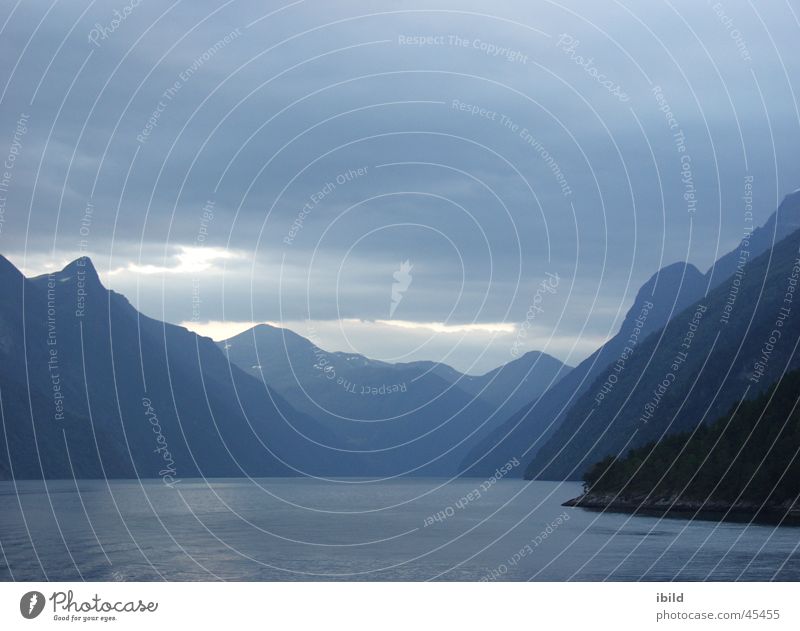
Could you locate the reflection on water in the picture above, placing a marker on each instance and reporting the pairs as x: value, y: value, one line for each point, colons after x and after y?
x: 412, y: 529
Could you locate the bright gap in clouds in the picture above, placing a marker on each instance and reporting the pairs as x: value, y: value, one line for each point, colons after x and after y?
x: 189, y: 260
x: 219, y: 330
x: 443, y: 327
x: 470, y: 348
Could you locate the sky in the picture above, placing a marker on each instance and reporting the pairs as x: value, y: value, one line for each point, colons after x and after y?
x: 407, y: 180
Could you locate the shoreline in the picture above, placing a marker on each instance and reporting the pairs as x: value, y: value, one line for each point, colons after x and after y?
x: 787, y: 513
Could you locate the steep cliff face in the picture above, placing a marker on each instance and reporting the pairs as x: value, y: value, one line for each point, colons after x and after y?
x: 92, y: 388
x: 707, y: 358
x: 670, y: 291
x: 665, y: 294
x: 780, y: 225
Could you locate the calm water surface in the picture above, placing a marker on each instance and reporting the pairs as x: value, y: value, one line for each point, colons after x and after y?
x: 411, y: 529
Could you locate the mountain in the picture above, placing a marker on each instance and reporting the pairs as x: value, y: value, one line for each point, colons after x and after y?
x: 92, y: 388
x: 38, y: 448
x: 511, y: 385
x: 670, y: 291
x: 727, y: 346
x: 667, y: 292
x: 780, y: 225
x: 746, y: 461
x: 418, y: 417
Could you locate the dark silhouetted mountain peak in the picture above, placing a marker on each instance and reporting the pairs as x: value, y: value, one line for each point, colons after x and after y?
x: 78, y: 277
x: 791, y: 203
x: 669, y: 290
x: 80, y: 270
x: 7, y: 269
x: 787, y: 217
x: 84, y: 267
x: 674, y: 273
x: 272, y: 340
x: 780, y: 225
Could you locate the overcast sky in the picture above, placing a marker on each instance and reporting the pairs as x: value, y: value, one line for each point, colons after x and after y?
x: 262, y: 161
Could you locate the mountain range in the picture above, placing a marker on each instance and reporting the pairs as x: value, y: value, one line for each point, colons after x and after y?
x: 729, y: 345
x: 90, y: 387
x: 540, y: 431
x: 398, y: 416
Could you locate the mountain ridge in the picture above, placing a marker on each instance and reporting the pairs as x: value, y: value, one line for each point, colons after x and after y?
x: 685, y: 357
x: 65, y: 326
x: 349, y: 393
x: 677, y: 285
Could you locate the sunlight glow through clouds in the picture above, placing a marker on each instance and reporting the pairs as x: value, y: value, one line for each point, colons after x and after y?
x: 190, y: 260
x: 480, y: 347
x: 443, y: 327
x: 219, y: 330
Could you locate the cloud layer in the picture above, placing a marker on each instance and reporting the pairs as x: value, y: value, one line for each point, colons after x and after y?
x: 250, y: 162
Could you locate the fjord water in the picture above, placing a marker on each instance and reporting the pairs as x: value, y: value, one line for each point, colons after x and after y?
x: 305, y: 529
